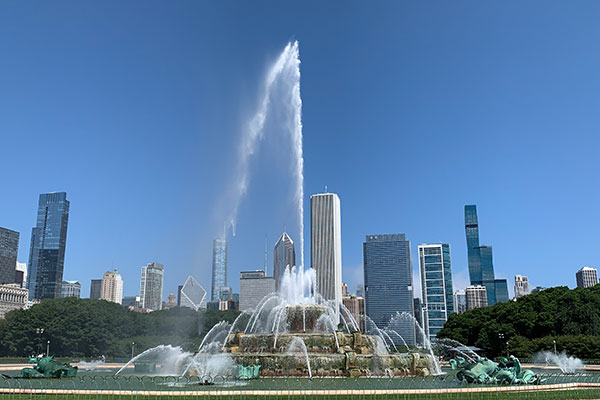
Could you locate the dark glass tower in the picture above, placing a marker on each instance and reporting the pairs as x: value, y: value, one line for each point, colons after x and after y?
x: 9, y: 246
x: 283, y: 256
x: 219, y: 267
x: 388, y: 281
x: 48, y: 242
x: 481, y: 266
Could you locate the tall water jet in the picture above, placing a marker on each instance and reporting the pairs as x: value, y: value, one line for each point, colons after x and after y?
x: 566, y: 364
x: 285, y: 74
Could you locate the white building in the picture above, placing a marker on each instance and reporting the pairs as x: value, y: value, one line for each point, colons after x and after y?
x: 586, y: 277
x: 12, y: 297
x: 111, y: 288
x: 151, y: 286
x: 70, y: 289
x: 522, y: 287
x: 460, y: 301
x: 326, y: 244
x: 254, y: 286
x: 476, y: 297
x: 22, y: 268
x: 192, y: 295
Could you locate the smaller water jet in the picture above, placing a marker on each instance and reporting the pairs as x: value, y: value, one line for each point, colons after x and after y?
x: 566, y: 364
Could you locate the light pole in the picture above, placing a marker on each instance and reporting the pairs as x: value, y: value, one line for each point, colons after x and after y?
x: 501, y: 337
x: 48, y: 348
x: 39, y: 332
x: 132, y: 347
x: 554, y: 342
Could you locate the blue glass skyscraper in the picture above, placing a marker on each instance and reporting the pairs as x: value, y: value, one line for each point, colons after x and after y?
x: 481, y: 267
x: 219, y: 267
x: 388, y: 281
x: 436, y: 286
x: 48, y: 243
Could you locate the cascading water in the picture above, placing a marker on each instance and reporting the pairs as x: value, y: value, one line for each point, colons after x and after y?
x: 298, y: 345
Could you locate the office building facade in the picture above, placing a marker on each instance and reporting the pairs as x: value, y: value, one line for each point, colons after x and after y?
x: 12, y: 297
x: 95, y: 289
x: 388, y: 280
x: 284, y: 256
x: 436, y: 286
x: 219, y: 267
x: 460, y: 301
x: 326, y: 244
x: 586, y: 277
x: 70, y: 289
x: 476, y: 296
x: 111, y: 288
x: 480, y: 260
x: 521, y: 286
x: 21, y: 274
x: 9, y: 247
x: 151, y: 286
x: 254, y: 286
x: 192, y: 294
x: 48, y: 244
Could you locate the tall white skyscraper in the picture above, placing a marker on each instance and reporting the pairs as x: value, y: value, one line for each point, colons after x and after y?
x: 586, y: 277
x: 521, y: 286
x: 326, y: 244
x: 151, y: 287
x: 284, y: 255
x: 111, y: 288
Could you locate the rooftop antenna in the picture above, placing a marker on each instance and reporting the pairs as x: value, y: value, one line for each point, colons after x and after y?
x: 265, y: 255
x: 326, y: 191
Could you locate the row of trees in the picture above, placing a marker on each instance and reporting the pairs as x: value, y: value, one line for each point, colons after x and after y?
x: 88, y: 328
x: 533, y: 323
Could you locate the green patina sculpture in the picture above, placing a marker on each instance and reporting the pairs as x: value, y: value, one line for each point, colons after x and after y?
x: 508, y: 371
x: 48, y: 368
x: 250, y: 372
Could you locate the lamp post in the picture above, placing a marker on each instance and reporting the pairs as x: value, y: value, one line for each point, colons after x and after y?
x: 132, y: 347
x: 39, y: 332
x: 501, y: 338
x: 48, y: 348
x: 554, y: 342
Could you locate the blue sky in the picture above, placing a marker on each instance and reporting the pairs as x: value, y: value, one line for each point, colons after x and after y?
x: 411, y: 110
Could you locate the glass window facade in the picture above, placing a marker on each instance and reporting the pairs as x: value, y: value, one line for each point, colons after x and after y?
x: 9, y: 246
x: 219, y: 267
x: 436, y: 286
x: 48, y: 243
x: 388, y: 281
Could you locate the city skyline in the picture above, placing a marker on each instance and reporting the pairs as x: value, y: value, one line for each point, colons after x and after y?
x: 443, y: 95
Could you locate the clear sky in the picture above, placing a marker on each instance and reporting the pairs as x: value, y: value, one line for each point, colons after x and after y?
x: 411, y: 110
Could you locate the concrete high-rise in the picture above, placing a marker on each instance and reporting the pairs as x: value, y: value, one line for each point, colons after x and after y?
x: 9, y: 247
x: 522, y: 287
x: 436, y: 286
x: 460, y: 301
x: 21, y: 274
x: 476, y: 296
x: 284, y: 256
x: 586, y: 277
x: 254, y: 286
x: 326, y: 244
x: 48, y: 244
x: 388, y: 280
x: 151, y: 286
x: 481, y: 267
x: 111, y: 288
x: 219, y: 267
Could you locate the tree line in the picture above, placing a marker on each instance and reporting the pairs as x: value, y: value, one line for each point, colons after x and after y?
x: 89, y: 328
x: 568, y: 318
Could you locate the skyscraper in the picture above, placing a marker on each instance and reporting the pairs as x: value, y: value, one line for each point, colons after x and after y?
x: 481, y: 267
x: 436, y: 286
x: 151, y: 286
x: 9, y: 247
x: 48, y: 243
x: 111, y: 288
x: 388, y: 280
x: 96, y: 289
x: 460, y: 301
x: 21, y: 274
x: 192, y: 295
x: 254, y: 286
x: 219, y: 267
x: 476, y: 296
x: 326, y: 244
x: 586, y: 277
x: 283, y: 256
x: 521, y: 286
